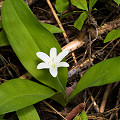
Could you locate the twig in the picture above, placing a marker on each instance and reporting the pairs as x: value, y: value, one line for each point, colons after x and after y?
x: 94, y: 103
x: 60, y: 25
x: 117, y: 103
x: 78, y: 68
x: 79, y: 42
x: 57, y: 19
x: 104, y: 100
x: 112, y: 49
x: 4, y: 61
x: 53, y: 109
x: 75, y: 44
x: 102, y: 48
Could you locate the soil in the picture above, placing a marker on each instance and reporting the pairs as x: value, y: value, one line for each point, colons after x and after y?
x: 107, y: 11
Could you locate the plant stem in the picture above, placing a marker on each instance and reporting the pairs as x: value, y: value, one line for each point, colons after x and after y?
x: 61, y: 86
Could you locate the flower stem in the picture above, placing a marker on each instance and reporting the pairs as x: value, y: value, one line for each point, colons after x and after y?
x: 63, y: 90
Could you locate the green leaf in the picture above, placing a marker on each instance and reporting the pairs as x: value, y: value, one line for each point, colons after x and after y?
x: 61, y: 5
x: 18, y: 93
x: 112, y: 35
x: 0, y: 24
x: 117, y: 1
x: 28, y: 113
x: 80, y: 21
x: 81, y: 4
x: 92, y: 3
x: 107, y: 71
x: 1, y: 117
x: 52, y: 28
x: 27, y: 36
x: 82, y: 116
x: 3, y: 38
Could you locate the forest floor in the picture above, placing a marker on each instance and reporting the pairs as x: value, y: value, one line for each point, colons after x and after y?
x: 102, y: 102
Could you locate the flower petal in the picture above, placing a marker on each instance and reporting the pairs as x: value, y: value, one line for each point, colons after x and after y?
x: 63, y: 64
x: 43, y: 56
x: 62, y: 55
x: 53, y: 71
x: 53, y: 52
x: 42, y: 66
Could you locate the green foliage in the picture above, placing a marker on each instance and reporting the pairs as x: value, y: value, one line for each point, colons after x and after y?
x: 112, y: 35
x: 82, y: 116
x: 92, y: 3
x: 3, y: 38
x: 28, y: 113
x: 0, y: 24
x: 80, y: 21
x: 16, y: 94
x: 117, y: 1
x: 61, y: 5
x: 1, y: 117
x: 81, y: 4
x: 52, y: 28
x: 27, y: 36
x: 105, y: 72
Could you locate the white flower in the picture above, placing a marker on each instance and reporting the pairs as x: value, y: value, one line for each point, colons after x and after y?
x: 52, y: 62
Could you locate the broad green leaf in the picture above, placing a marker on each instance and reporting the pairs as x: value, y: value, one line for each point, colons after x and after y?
x: 80, y: 21
x: 3, y: 38
x: 52, y: 28
x: 28, y: 113
x: 112, y: 35
x: 107, y: 71
x: 61, y: 5
x: 81, y: 4
x: 92, y: 3
x: 27, y: 36
x: 82, y: 116
x: 1, y: 117
x: 117, y: 1
x: 0, y: 24
x: 16, y: 94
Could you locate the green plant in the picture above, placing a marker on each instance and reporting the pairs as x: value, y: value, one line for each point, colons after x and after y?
x: 82, y: 116
x: 117, y: 1
x: 112, y: 35
x: 27, y: 37
x: 81, y: 4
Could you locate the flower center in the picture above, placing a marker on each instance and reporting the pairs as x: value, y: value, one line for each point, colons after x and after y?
x: 52, y: 63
